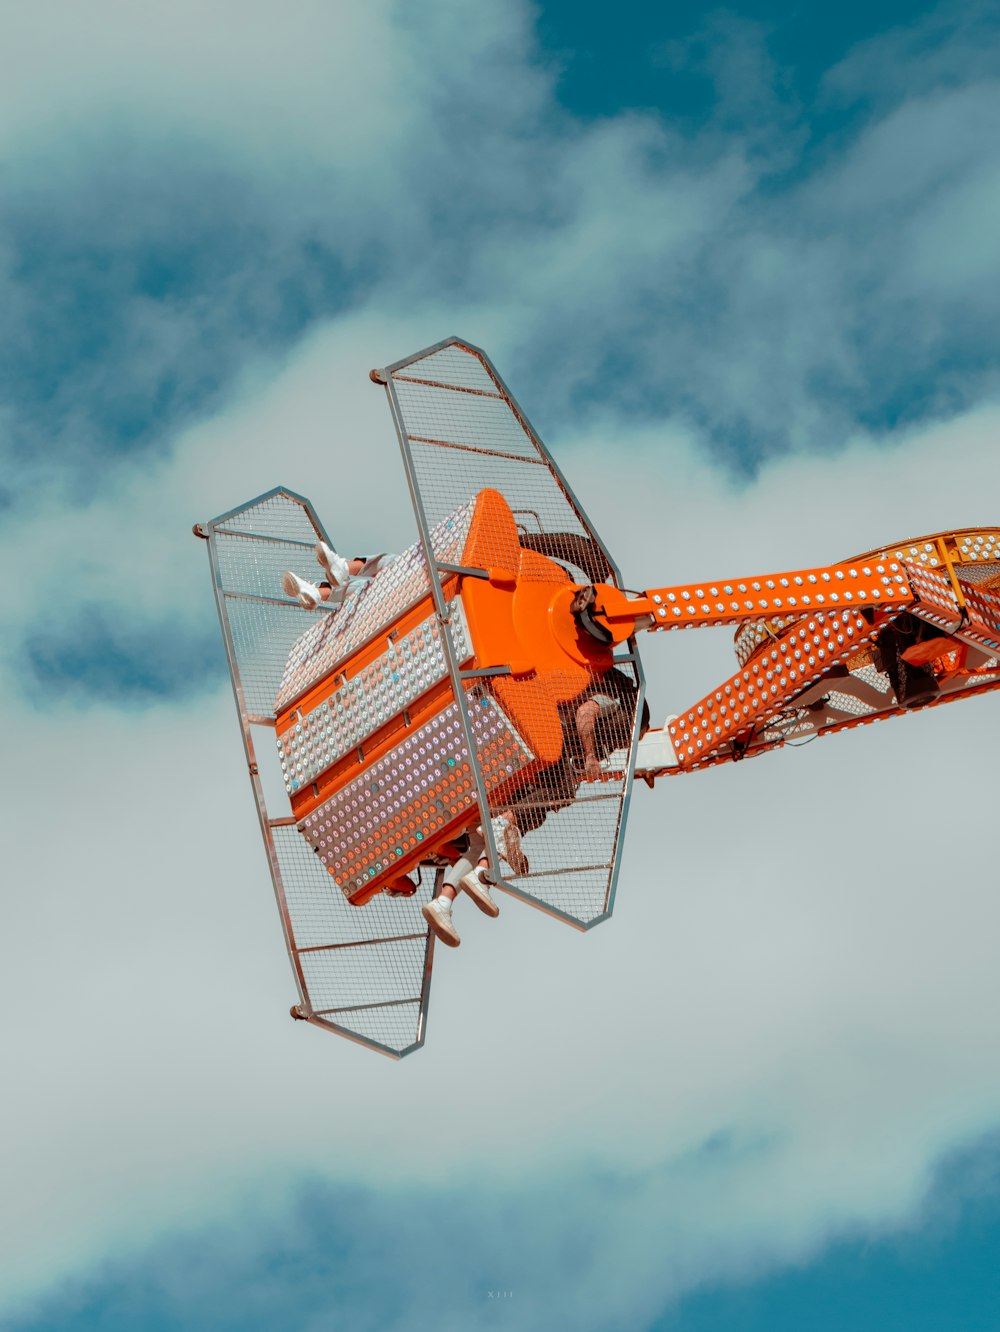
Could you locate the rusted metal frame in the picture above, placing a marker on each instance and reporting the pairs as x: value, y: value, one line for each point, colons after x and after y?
x: 566, y: 869
x: 723, y: 716
x: 336, y: 1029
x: 361, y: 943
x: 454, y: 388
x: 474, y: 448
x: 262, y: 536
x: 570, y: 800
x: 357, y: 1008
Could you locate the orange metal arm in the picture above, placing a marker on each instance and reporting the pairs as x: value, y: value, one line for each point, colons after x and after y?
x: 801, y: 654
x: 883, y: 583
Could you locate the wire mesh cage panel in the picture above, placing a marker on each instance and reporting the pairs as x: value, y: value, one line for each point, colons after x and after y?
x: 365, y: 971
x: 554, y: 834
x: 362, y: 972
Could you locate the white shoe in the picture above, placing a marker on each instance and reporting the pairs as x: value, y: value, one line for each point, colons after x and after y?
x: 306, y: 594
x: 335, y: 565
x: 479, y: 890
x: 438, y: 916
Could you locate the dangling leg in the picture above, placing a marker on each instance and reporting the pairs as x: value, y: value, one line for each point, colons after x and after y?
x: 473, y: 868
x: 336, y: 567
x: 306, y: 594
x: 437, y: 914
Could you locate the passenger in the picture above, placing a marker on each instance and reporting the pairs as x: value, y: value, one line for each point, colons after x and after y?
x: 468, y: 872
x: 913, y: 681
x: 602, y: 721
x: 346, y: 578
x: 309, y: 595
x: 569, y: 548
x: 594, y: 724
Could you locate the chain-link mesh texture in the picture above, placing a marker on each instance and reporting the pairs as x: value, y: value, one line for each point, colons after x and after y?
x: 462, y: 433
x: 362, y: 967
x: 362, y: 971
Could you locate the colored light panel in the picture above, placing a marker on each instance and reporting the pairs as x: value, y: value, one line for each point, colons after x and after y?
x: 363, y: 704
x: 411, y: 794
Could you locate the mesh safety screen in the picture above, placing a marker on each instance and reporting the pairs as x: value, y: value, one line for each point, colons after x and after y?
x: 462, y: 433
x: 362, y: 968
x: 363, y: 971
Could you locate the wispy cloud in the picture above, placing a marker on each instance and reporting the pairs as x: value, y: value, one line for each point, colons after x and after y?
x: 748, y: 347
x: 600, y: 1251
x: 771, y: 288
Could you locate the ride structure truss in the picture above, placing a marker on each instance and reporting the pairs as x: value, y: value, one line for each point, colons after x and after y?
x: 454, y: 691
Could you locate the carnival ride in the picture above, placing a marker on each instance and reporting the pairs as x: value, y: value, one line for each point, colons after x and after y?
x: 436, y: 698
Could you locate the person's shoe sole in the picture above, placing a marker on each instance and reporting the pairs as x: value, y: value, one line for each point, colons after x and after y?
x: 474, y: 888
x: 446, y: 933
x: 518, y: 862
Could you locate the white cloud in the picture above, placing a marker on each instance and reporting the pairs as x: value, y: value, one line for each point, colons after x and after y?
x: 800, y: 957
x: 222, y: 73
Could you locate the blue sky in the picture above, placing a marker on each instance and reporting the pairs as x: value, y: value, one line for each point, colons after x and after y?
x: 319, y: 1269
x: 939, y: 1273
x: 751, y: 255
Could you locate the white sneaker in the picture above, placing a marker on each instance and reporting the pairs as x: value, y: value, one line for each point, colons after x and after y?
x: 306, y: 594
x: 479, y: 890
x: 335, y: 565
x: 438, y: 916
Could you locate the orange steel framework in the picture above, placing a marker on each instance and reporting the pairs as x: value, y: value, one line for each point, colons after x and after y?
x: 439, y: 698
x: 526, y: 622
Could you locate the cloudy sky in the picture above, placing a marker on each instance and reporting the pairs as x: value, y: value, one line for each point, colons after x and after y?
x: 741, y: 268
